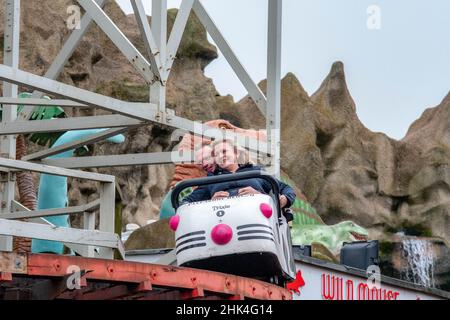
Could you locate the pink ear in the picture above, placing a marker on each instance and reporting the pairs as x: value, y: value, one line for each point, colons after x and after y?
x: 266, y: 210
x: 174, y: 222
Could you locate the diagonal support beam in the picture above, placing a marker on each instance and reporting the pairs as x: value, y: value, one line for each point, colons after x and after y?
x: 177, y: 34
x: 81, y: 250
x: 41, y: 102
x: 53, y: 212
x: 184, y: 125
x: 147, y: 36
x: 122, y: 160
x: 253, y: 90
x: 141, y: 111
x: 200, y: 129
x: 75, y: 144
x: 68, y: 124
x: 33, y: 167
x: 63, y: 56
x: 141, y: 65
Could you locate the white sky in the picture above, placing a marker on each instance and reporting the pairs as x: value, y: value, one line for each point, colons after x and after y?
x: 394, y: 73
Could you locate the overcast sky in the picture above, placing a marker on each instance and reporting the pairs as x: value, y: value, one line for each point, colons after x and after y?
x: 396, y: 53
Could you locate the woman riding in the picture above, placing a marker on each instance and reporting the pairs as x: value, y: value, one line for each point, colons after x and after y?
x: 226, y: 158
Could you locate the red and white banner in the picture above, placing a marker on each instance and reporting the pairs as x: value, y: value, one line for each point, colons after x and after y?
x: 319, y: 283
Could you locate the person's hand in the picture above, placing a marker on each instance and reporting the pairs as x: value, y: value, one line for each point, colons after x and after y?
x: 283, y: 201
x: 220, y: 195
x: 248, y: 191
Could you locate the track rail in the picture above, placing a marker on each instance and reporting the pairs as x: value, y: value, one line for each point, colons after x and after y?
x: 42, y: 276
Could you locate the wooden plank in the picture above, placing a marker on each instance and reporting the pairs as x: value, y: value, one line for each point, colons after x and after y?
x: 158, y: 276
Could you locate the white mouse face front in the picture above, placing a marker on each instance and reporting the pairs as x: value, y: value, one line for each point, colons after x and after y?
x: 227, y: 226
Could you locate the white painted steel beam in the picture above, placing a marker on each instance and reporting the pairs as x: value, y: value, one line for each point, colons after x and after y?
x: 53, y: 212
x: 63, y: 56
x: 147, y: 37
x: 41, y: 102
x: 88, y: 224
x: 139, y: 62
x: 159, y: 27
x: 53, y: 233
x: 184, y: 125
x: 141, y: 111
x: 274, y: 83
x: 84, y: 251
x: 67, y: 124
x: 120, y: 160
x: 200, y: 129
x: 177, y: 34
x: 75, y: 144
x: 34, y: 167
x: 11, y: 49
x: 253, y: 90
x: 107, y: 215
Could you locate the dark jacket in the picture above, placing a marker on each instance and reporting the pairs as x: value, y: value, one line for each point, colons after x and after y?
x: 207, y: 192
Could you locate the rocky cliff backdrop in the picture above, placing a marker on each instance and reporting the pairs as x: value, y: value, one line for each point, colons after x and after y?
x: 390, y: 187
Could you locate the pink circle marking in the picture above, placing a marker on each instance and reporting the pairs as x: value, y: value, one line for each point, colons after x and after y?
x: 222, y: 234
x: 174, y: 222
x: 266, y: 210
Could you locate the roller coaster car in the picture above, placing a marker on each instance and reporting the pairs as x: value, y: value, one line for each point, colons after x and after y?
x: 243, y: 235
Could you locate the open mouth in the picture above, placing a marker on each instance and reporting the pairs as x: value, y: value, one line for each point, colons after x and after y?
x: 359, y: 237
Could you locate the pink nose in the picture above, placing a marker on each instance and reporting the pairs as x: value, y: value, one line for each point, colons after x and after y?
x: 174, y: 222
x: 266, y: 210
x: 222, y: 234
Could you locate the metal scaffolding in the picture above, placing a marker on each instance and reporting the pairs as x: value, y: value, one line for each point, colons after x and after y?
x: 126, y: 115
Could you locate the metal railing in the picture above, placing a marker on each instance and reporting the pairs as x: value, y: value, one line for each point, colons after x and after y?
x: 82, y: 241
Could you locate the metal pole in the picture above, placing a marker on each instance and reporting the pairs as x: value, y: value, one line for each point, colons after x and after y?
x: 274, y: 83
x: 147, y: 37
x: 177, y: 34
x: 253, y: 90
x: 61, y: 59
x: 8, y: 143
x: 113, y: 32
x: 159, y: 28
x: 107, y: 214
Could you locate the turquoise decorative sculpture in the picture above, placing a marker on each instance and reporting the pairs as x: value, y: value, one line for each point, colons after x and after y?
x: 53, y: 190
